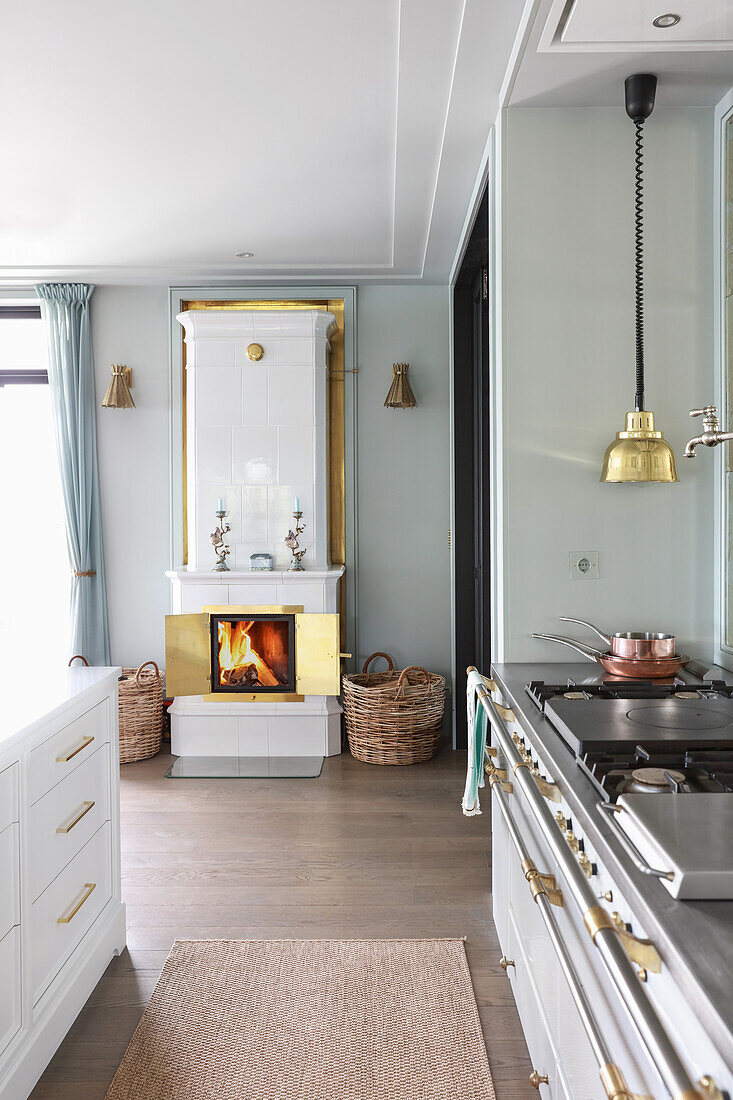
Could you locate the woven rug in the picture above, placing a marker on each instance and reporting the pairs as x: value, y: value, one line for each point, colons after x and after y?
x: 309, y: 1020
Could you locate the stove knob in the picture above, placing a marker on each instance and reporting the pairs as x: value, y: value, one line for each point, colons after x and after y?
x: 561, y: 820
x: 589, y: 869
x: 573, y: 841
x: 607, y: 895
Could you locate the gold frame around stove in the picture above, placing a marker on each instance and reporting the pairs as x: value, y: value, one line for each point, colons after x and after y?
x: 316, y: 655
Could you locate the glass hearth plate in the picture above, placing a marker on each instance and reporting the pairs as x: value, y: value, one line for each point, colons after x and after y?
x: 245, y: 767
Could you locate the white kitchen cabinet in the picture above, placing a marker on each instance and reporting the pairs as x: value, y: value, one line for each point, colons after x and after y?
x: 61, y: 914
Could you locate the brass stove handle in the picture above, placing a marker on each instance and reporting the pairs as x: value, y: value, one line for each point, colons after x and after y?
x: 642, y: 952
x: 628, y: 845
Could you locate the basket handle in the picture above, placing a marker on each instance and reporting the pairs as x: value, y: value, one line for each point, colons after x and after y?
x: 403, y: 678
x: 386, y: 656
x: 145, y: 665
x: 78, y: 657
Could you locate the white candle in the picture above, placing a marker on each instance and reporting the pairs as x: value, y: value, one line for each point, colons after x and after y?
x: 297, y: 504
x: 220, y: 505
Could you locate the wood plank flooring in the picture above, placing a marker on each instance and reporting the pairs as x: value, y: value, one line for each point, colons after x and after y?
x: 361, y: 851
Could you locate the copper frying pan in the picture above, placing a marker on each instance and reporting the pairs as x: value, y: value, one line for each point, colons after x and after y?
x: 639, y: 645
x: 636, y: 668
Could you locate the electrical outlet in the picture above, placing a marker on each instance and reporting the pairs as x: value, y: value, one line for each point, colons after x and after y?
x: 583, y: 565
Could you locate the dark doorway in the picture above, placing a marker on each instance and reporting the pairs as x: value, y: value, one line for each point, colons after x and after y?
x: 471, y: 461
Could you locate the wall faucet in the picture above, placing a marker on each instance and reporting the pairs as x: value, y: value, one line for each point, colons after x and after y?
x: 711, y: 434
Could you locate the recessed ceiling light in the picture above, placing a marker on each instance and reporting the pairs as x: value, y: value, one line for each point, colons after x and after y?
x: 244, y: 255
x: 669, y: 20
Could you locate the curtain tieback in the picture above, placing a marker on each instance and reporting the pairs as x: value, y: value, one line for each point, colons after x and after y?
x: 84, y: 573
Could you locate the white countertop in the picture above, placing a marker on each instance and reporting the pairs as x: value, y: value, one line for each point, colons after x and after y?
x: 28, y: 699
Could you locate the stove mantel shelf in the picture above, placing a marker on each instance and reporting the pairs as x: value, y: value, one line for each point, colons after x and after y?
x: 273, y: 576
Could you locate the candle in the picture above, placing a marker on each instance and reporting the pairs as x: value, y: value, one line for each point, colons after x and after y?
x: 297, y: 504
x: 220, y: 505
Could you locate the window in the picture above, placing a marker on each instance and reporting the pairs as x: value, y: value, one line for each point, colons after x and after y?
x: 34, y: 564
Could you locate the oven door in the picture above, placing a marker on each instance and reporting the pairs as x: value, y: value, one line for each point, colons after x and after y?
x: 188, y: 654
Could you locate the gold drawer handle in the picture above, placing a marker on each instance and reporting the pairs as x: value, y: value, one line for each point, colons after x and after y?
x: 536, y: 1079
x: 65, y: 759
x: 88, y: 887
x: 86, y: 807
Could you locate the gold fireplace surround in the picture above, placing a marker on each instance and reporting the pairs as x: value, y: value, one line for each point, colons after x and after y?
x: 188, y: 654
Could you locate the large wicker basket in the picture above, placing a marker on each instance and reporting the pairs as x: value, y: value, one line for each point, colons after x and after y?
x: 141, y: 711
x: 393, y: 717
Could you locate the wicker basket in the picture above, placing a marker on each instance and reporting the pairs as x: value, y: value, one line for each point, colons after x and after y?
x: 393, y: 717
x: 141, y: 711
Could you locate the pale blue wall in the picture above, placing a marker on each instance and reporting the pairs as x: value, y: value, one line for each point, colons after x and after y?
x: 403, y: 466
x: 403, y: 475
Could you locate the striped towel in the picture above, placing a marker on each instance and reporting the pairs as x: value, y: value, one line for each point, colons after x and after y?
x: 477, y: 724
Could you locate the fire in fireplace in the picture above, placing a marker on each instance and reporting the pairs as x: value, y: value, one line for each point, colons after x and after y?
x: 253, y: 654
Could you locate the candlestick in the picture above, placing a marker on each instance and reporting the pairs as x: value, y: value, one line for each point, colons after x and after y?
x: 291, y: 541
x: 221, y: 549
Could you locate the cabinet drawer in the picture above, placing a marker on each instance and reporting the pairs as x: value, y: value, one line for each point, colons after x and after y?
x: 8, y: 796
x: 66, y: 750
x: 67, y: 816
x: 67, y: 908
x: 10, y: 989
x: 10, y: 880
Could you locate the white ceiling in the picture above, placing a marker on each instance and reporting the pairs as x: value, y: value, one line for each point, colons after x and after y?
x: 578, y: 52
x: 154, y: 139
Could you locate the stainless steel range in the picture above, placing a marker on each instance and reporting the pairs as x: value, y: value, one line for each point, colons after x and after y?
x: 607, y: 797
x: 640, y: 739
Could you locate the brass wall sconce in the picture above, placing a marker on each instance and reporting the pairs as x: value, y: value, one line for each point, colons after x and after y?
x: 400, y: 394
x: 118, y: 394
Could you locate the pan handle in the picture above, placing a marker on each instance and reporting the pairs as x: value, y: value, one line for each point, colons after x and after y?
x: 586, y: 650
x: 581, y: 622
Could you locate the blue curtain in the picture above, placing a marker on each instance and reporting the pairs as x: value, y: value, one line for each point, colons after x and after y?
x: 65, y: 310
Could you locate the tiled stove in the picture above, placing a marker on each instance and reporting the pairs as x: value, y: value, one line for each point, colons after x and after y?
x: 257, y: 439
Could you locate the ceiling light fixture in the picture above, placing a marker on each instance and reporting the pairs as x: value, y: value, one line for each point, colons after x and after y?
x: 668, y: 20
x: 639, y: 453
x: 244, y: 255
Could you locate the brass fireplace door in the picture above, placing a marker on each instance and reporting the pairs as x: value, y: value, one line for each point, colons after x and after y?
x: 188, y: 655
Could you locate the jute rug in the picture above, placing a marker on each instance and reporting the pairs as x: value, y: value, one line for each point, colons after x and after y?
x: 309, y: 1020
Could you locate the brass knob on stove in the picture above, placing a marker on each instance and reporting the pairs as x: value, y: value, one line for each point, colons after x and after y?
x: 586, y: 866
x: 505, y: 963
x: 561, y: 820
x: 536, y: 1079
x: 573, y: 842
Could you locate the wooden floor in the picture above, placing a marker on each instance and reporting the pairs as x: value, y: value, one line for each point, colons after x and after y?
x: 361, y: 851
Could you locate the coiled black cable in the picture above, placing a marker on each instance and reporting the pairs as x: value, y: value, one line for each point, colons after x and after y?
x: 639, y: 259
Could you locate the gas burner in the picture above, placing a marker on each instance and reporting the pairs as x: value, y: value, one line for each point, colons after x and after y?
x: 639, y: 771
x: 656, y: 777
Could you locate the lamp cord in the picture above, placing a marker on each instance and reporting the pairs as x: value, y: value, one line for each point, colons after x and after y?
x: 639, y: 259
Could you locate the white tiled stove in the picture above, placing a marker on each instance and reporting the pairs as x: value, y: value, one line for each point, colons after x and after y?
x: 256, y: 437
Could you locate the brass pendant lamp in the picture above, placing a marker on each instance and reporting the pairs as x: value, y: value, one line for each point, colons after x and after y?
x: 639, y: 453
